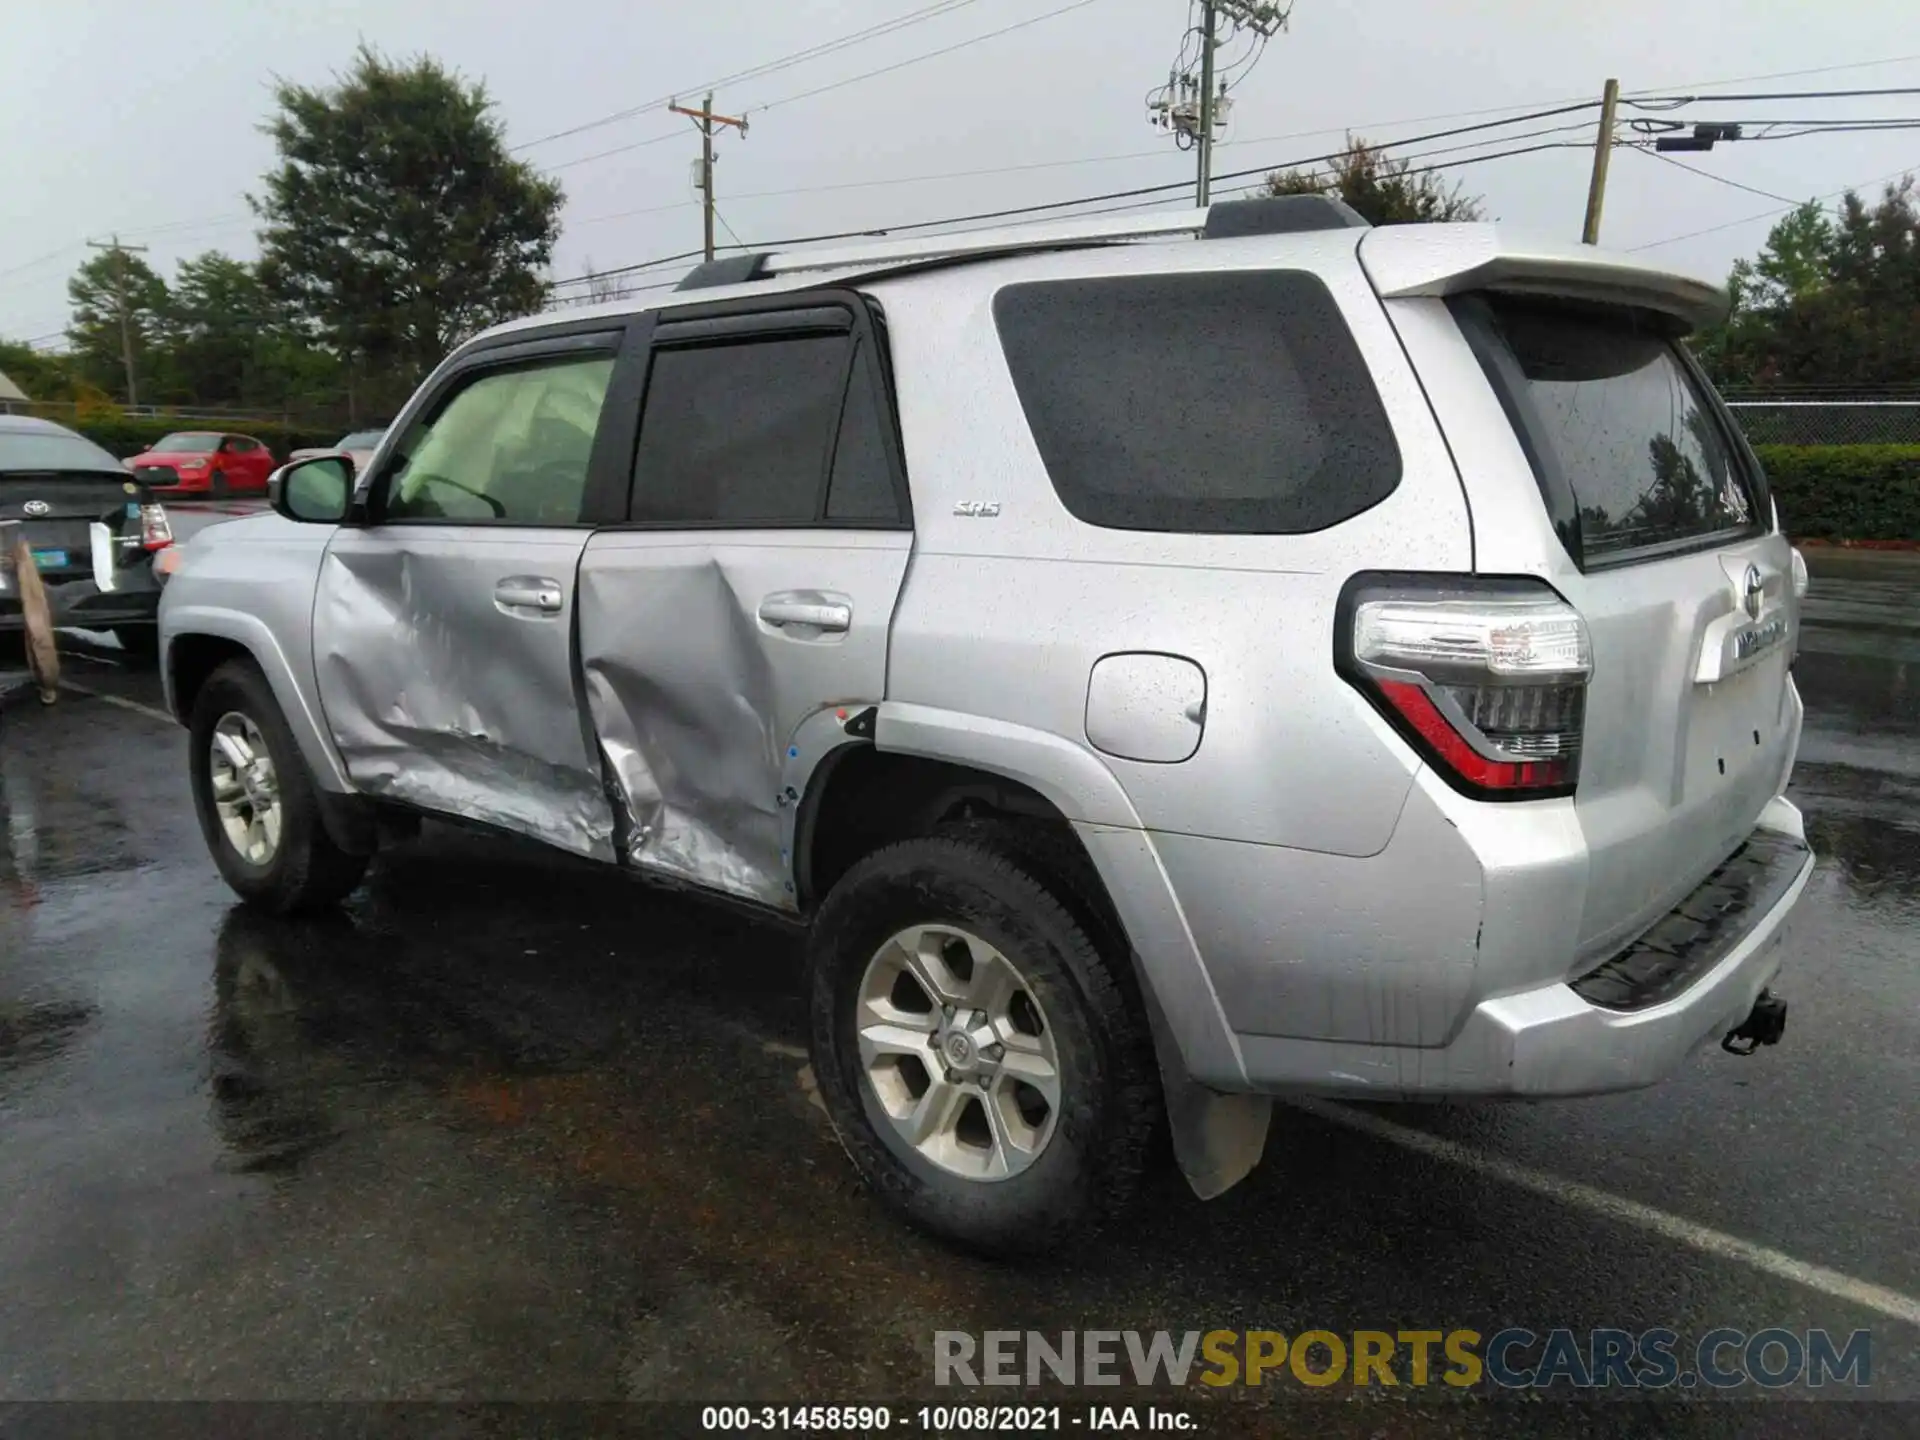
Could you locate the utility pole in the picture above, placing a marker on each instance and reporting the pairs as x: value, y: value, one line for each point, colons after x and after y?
x: 1602, y: 150
x: 120, y: 253
x: 1192, y: 110
x: 1203, y: 192
x: 704, y: 120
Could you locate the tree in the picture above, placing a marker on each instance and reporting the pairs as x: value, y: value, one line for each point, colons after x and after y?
x: 40, y: 375
x: 230, y: 342
x: 396, y: 223
x: 217, y: 319
x: 1830, y: 299
x: 93, y: 329
x: 1385, y: 191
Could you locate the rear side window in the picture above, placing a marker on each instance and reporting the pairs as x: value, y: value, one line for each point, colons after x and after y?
x: 1220, y: 403
x: 861, y: 488
x: 1632, y: 457
x: 739, y: 433
x: 774, y: 430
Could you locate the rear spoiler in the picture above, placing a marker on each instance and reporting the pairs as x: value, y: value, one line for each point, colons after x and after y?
x: 1404, y: 261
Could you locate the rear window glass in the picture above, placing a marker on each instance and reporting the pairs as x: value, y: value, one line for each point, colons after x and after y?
x: 29, y: 450
x: 1623, y: 437
x: 1219, y: 403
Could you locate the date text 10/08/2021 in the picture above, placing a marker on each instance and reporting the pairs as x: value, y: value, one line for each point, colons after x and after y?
x: 945, y: 1419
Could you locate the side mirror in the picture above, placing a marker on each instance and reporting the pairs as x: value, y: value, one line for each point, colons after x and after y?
x: 315, y: 491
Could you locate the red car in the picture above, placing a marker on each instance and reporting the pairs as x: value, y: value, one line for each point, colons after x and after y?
x: 205, y: 462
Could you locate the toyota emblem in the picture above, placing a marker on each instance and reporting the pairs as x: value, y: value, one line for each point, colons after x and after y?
x: 36, y: 508
x: 1753, y: 592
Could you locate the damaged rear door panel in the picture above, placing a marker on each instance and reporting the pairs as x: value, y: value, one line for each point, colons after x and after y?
x: 444, y: 619
x: 752, y: 585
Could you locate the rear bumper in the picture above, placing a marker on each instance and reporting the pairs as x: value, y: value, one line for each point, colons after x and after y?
x: 1551, y: 1040
x: 81, y: 604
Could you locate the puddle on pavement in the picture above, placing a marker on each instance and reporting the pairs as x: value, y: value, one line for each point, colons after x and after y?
x: 31, y: 1033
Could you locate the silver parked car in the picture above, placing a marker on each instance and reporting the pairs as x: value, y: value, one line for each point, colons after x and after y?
x: 360, y: 446
x: 1170, y: 663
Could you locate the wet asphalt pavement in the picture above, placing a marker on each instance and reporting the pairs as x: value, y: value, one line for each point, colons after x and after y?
x: 511, y: 1128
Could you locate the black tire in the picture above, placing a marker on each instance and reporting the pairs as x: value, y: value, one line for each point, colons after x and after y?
x: 306, y: 871
x: 217, y: 486
x: 141, y: 642
x: 1111, y: 1104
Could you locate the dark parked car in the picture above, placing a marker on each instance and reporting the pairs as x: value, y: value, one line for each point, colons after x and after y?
x: 92, y: 527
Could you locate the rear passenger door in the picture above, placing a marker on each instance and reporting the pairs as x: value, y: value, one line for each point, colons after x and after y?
x: 444, y: 617
x: 751, y: 587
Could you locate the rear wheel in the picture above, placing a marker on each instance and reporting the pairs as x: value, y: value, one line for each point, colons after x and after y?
x: 976, y: 1054
x: 255, y: 799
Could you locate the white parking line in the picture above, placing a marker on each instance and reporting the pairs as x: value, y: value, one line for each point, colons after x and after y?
x: 150, y: 711
x: 1703, y: 1238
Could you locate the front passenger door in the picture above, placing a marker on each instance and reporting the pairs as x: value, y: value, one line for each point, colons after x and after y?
x: 443, y: 625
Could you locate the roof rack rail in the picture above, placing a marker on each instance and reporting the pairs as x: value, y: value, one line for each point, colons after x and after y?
x: 1224, y: 220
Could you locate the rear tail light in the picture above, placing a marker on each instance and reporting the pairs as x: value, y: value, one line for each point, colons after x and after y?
x: 1485, y: 678
x: 1799, y: 574
x: 155, y: 532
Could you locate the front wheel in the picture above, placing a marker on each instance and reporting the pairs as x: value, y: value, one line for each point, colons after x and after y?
x: 978, y: 1056
x: 217, y: 486
x: 256, y: 802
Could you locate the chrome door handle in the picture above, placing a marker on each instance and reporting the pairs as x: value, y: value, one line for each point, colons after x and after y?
x: 529, y: 592
x: 783, y: 610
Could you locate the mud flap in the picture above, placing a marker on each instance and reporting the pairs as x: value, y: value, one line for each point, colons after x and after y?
x: 1217, y: 1138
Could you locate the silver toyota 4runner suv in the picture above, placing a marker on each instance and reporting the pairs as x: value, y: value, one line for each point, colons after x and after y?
x: 1168, y: 662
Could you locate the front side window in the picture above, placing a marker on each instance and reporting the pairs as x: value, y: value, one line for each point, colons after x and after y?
x: 512, y: 446
x: 1231, y: 403
x: 1620, y: 432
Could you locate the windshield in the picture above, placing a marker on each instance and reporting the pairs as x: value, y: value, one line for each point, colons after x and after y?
x: 360, y: 440
x: 189, y: 444
x: 40, y: 451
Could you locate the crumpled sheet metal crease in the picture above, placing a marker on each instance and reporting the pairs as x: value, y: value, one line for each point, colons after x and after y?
x: 686, y: 732
x: 421, y: 722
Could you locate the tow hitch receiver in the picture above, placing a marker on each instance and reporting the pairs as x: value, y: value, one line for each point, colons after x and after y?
x: 1764, y: 1025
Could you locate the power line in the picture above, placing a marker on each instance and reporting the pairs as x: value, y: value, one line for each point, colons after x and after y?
x: 929, y: 55
x: 1072, y: 162
x: 885, y: 27
x: 1709, y: 175
x: 619, y: 150
x: 1791, y: 74
x: 822, y: 89
x: 1646, y: 100
x: 1136, y: 193
x: 1766, y: 214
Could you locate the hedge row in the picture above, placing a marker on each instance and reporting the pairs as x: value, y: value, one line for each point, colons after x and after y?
x: 128, y: 435
x: 1845, y: 492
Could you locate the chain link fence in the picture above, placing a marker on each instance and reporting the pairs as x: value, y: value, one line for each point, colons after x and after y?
x: 1777, y: 421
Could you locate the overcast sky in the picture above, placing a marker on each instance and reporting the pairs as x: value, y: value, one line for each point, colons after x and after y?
x: 119, y: 115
